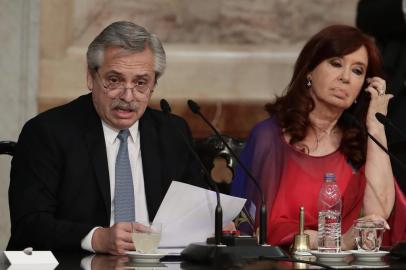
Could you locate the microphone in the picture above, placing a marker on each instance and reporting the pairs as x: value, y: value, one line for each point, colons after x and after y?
x: 218, y: 216
x: 195, y: 108
x: 381, y: 118
x: 351, y: 119
x: 386, y: 121
x: 165, y: 107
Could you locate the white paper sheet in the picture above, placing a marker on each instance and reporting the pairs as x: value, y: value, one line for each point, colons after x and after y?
x: 187, y: 214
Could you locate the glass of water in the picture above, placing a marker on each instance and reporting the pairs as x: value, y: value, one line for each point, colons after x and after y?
x: 146, y: 236
x: 368, y: 234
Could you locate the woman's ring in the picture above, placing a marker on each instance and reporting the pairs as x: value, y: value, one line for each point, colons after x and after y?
x: 380, y: 92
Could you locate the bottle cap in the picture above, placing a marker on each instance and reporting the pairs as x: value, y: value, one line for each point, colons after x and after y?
x: 329, y: 176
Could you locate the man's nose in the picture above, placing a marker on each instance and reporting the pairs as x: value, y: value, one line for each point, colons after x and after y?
x: 128, y: 94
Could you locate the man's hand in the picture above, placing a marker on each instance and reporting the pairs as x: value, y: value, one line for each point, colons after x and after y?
x: 115, y: 240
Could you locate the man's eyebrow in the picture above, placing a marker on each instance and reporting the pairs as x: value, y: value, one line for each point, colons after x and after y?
x: 146, y: 75
x: 113, y: 72
x: 137, y: 76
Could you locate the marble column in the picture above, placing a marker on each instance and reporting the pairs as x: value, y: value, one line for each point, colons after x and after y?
x: 19, y: 28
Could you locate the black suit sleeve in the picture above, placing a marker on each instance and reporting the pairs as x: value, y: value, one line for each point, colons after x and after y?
x: 36, y: 174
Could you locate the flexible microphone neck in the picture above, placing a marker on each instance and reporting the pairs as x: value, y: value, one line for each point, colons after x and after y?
x: 351, y: 119
x: 195, y: 108
x: 218, y: 216
x: 386, y: 121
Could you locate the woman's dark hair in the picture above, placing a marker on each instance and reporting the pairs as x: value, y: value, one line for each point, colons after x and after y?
x: 292, y: 109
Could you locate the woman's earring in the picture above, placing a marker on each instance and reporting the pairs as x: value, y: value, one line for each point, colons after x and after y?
x: 308, y: 83
x: 355, y: 101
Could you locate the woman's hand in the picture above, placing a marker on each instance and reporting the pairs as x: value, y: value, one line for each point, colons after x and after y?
x: 313, y: 238
x: 379, y: 101
x: 348, y: 238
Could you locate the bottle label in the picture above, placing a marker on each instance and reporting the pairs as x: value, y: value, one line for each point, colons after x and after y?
x: 329, y: 231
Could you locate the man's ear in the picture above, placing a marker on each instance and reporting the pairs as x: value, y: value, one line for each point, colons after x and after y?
x: 89, y: 80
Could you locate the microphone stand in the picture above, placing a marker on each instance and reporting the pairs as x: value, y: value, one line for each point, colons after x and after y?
x: 239, y: 249
x: 194, y: 107
x: 218, y: 215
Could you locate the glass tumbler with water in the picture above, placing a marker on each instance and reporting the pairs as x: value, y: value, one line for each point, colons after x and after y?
x: 146, y: 236
x: 329, y: 222
x: 369, y: 234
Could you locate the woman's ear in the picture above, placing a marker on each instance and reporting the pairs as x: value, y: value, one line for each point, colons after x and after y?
x: 308, y: 80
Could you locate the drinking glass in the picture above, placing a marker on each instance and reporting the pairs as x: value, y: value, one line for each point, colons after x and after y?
x: 369, y: 234
x: 146, y: 236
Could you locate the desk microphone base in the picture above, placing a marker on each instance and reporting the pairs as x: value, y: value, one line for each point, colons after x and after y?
x: 210, y: 253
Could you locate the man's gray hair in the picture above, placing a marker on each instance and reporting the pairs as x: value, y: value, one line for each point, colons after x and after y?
x: 130, y: 37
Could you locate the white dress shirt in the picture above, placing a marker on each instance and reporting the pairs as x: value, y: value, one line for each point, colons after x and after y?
x: 134, y: 151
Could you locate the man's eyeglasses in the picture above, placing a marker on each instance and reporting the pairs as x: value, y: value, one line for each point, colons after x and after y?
x: 115, y: 86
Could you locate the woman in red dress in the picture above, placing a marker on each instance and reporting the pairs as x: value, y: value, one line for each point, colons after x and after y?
x: 338, y: 73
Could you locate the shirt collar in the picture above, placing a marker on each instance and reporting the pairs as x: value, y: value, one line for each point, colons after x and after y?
x: 110, y: 133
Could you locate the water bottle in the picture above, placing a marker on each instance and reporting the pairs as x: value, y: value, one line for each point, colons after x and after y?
x: 329, y: 208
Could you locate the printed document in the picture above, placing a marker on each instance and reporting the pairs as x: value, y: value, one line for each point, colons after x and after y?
x: 187, y: 214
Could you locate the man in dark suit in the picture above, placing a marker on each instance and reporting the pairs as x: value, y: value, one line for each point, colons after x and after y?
x: 64, y: 176
x: 386, y: 21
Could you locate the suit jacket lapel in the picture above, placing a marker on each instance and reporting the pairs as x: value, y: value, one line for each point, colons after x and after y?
x: 151, y: 162
x: 94, y: 137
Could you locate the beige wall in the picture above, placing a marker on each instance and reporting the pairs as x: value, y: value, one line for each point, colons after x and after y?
x: 217, y: 49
